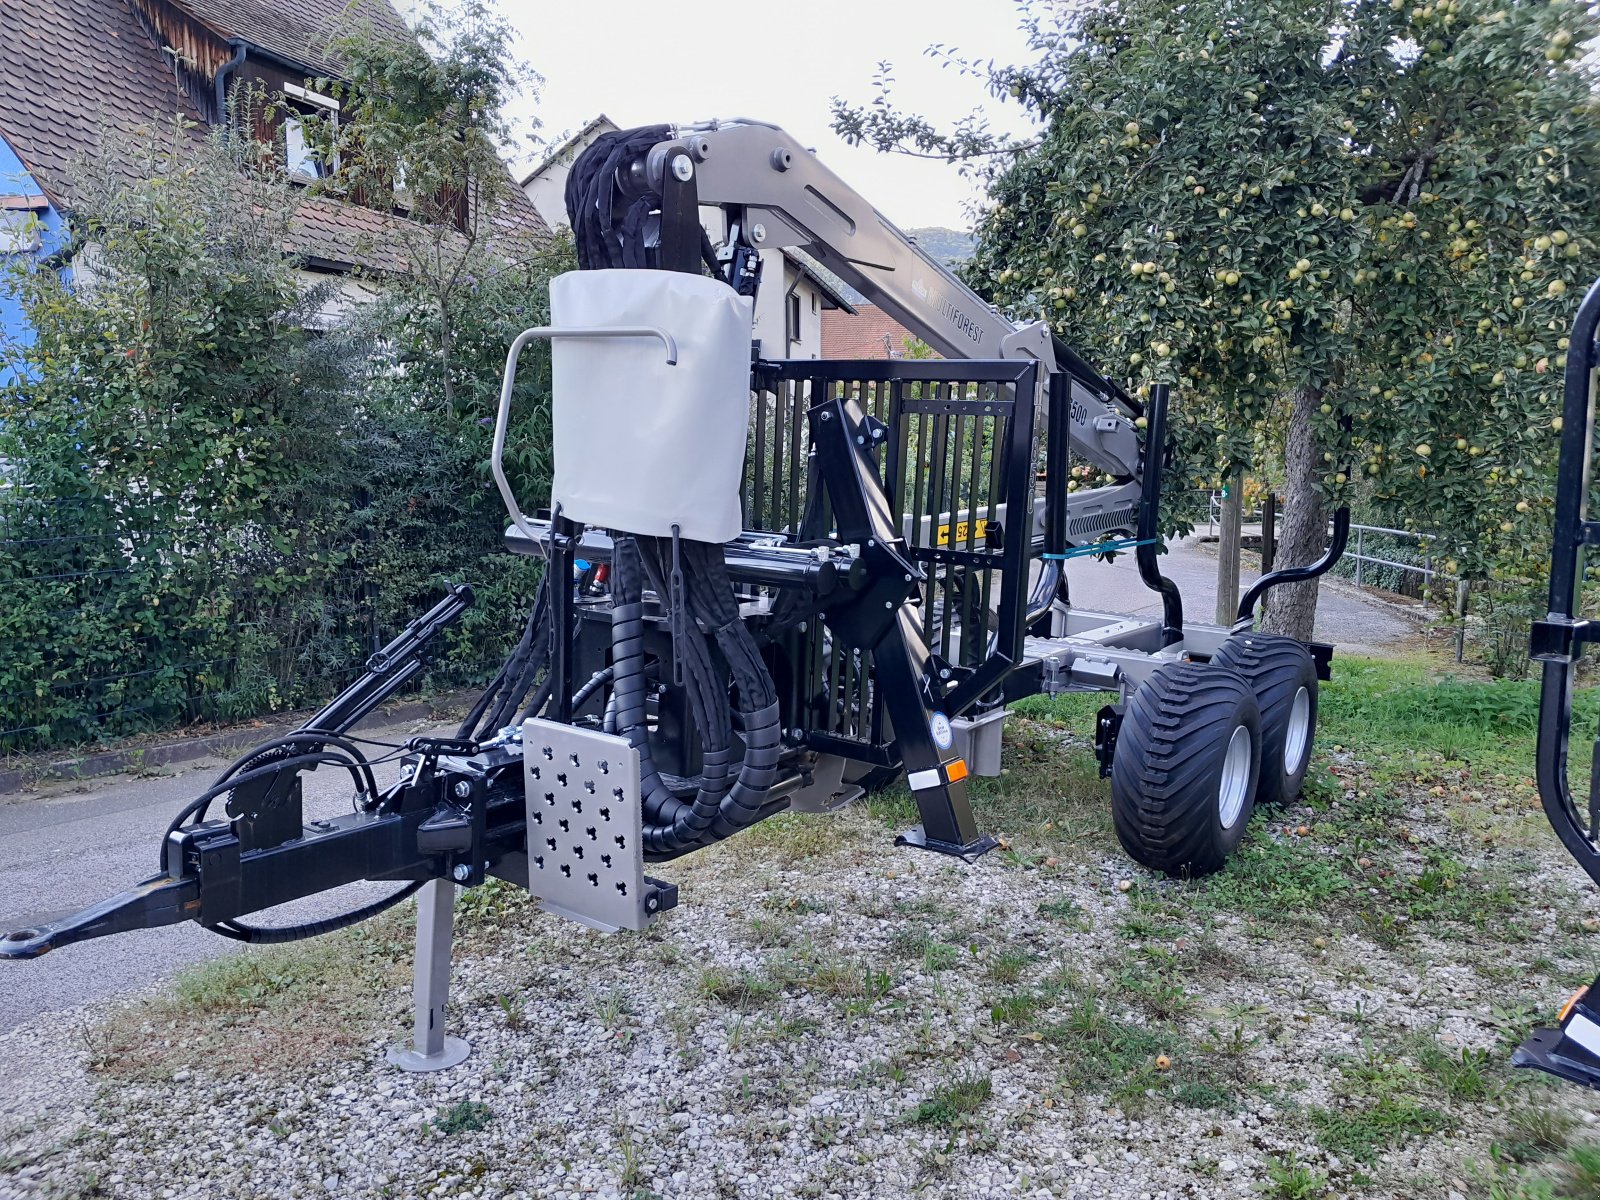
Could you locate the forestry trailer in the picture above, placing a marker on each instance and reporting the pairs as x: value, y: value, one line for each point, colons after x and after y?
x: 768, y: 586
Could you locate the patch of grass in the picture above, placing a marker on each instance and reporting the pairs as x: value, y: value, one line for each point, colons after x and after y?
x: 939, y: 957
x: 1361, y: 1132
x: 465, y: 1116
x: 1018, y: 1008
x: 765, y: 931
x: 1008, y: 965
x: 1102, y: 1051
x: 1142, y: 927
x: 1197, y: 1093
x: 796, y: 837
x: 910, y: 941
x: 858, y: 984
x: 952, y: 1104
x: 1580, y: 1174
x: 1290, y: 1179
x: 1384, y: 1107
x: 792, y: 1027
x: 1275, y: 880
x: 802, y: 905
x: 493, y: 905
x: 1377, y: 703
x: 1148, y: 978
x: 737, y: 989
x: 274, y: 1010
x: 1065, y: 910
x: 514, y: 1007
x: 1535, y: 1131
x: 1462, y: 1075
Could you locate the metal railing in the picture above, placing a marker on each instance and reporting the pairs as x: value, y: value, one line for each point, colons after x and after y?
x: 1357, y: 560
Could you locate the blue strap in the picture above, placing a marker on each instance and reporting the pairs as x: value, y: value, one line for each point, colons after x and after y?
x: 1116, y: 544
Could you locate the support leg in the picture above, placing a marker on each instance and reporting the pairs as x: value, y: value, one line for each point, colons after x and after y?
x: 936, y: 773
x: 430, y: 1049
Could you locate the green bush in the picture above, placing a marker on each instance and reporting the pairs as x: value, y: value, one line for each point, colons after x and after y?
x: 214, y: 509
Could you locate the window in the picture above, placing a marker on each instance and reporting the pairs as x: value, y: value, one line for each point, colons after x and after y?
x: 300, y: 154
x: 792, y: 318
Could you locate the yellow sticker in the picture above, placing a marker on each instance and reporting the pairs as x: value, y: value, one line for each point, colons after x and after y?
x: 963, y: 530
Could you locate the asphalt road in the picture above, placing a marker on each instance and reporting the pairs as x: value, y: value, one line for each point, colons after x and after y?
x: 1346, y: 618
x: 73, y: 844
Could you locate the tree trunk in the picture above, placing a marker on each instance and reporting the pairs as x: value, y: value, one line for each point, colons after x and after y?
x: 1292, y: 609
x: 1228, y: 551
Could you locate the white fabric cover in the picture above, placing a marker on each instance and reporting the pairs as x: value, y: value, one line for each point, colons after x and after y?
x: 640, y: 445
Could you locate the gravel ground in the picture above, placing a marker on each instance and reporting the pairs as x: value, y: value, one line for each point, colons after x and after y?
x: 805, y: 1025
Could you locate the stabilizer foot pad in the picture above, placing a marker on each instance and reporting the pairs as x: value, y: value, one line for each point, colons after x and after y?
x: 1548, y: 1051
x: 453, y: 1053
x: 971, y: 852
x: 1571, y: 1052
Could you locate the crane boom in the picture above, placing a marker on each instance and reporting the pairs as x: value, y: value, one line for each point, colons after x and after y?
x: 779, y: 195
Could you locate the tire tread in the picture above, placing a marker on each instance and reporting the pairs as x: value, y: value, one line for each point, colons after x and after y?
x: 1168, y: 755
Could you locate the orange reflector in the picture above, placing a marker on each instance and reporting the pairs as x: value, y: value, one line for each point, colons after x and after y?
x: 1571, y: 1000
x: 955, y: 770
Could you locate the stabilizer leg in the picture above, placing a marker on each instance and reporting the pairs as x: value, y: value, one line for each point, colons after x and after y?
x: 1572, y: 1050
x: 936, y: 773
x: 431, y: 1049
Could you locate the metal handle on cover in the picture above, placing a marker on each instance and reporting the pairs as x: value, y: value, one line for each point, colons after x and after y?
x: 503, y: 415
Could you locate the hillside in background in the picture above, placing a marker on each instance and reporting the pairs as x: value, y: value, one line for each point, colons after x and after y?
x: 949, y: 246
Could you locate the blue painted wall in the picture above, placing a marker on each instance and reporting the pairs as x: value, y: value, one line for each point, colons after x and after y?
x: 15, y: 181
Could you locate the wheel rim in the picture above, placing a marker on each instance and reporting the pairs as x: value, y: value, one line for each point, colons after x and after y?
x: 1298, y: 735
x: 1235, y: 786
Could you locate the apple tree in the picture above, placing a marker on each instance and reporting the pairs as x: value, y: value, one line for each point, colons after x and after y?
x: 1351, y: 234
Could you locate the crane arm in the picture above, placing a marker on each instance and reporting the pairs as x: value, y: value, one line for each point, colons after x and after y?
x: 777, y: 194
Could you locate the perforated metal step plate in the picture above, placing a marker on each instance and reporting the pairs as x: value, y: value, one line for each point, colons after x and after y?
x: 585, y: 853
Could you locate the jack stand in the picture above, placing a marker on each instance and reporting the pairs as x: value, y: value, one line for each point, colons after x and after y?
x: 430, y: 1049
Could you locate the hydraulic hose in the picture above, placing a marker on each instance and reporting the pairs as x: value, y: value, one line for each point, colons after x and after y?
x: 613, y: 217
x: 670, y: 823
x: 268, y: 935
x: 719, y: 807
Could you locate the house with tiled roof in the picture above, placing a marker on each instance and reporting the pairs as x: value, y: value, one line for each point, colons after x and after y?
x: 75, y: 72
x: 866, y: 331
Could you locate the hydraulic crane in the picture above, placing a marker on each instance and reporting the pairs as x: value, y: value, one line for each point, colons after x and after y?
x: 769, y: 585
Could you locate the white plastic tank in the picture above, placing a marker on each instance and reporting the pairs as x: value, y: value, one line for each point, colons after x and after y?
x: 641, y: 445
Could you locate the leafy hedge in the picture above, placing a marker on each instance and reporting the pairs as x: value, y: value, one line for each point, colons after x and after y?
x: 213, y: 508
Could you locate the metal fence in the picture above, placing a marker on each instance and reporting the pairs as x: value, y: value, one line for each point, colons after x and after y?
x: 1381, y: 568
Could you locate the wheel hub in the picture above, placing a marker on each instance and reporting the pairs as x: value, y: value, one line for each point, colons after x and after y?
x: 1235, y: 785
x: 1298, y: 735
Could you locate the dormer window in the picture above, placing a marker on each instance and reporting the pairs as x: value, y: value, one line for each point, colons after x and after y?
x: 302, y: 156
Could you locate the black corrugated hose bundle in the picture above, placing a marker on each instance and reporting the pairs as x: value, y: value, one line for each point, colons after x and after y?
x: 613, y: 229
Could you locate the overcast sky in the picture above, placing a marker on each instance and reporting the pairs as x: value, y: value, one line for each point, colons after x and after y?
x: 644, y: 62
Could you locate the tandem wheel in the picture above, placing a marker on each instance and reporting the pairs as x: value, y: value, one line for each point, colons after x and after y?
x: 1282, y: 674
x: 1185, y: 771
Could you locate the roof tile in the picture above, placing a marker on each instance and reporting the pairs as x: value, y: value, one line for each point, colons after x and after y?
x: 105, y: 78
x: 868, y: 333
